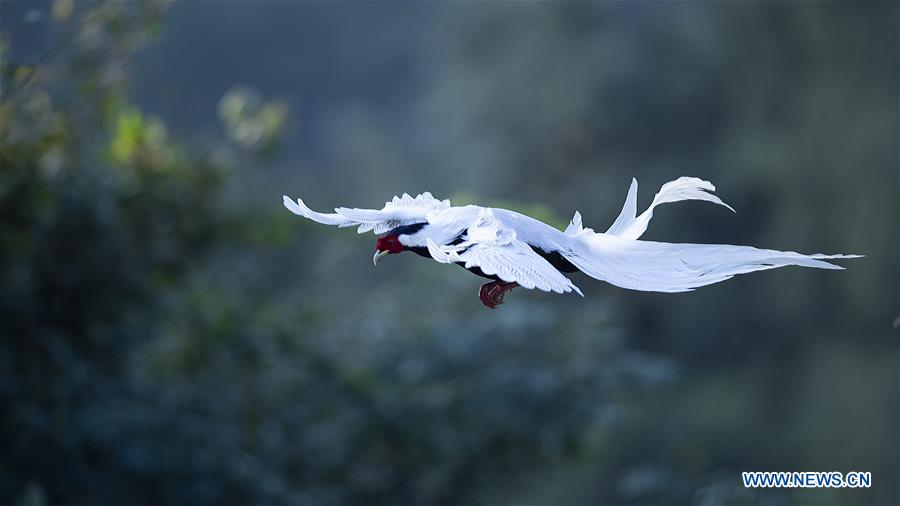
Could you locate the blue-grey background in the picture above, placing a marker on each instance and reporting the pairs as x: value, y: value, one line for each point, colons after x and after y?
x: 171, y: 335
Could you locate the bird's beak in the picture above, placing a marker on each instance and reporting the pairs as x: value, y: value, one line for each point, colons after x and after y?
x: 379, y: 254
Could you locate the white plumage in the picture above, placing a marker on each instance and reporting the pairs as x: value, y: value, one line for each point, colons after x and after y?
x: 515, y: 248
x: 495, y: 249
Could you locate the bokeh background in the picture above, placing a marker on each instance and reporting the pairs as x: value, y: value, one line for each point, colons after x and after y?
x: 172, y: 335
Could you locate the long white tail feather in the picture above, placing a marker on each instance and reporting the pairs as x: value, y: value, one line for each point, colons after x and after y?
x: 628, y: 214
x: 671, y: 267
x: 631, y: 226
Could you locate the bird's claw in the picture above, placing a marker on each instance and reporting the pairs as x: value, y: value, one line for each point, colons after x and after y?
x: 493, y: 293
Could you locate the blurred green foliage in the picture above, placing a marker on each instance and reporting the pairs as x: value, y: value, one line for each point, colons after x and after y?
x: 172, y: 336
x: 134, y: 373
x: 250, y: 122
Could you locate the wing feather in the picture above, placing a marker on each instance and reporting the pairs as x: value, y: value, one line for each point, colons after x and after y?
x: 404, y: 210
x: 495, y: 250
x: 300, y: 209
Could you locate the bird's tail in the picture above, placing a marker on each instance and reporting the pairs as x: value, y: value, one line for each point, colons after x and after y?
x: 617, y: 257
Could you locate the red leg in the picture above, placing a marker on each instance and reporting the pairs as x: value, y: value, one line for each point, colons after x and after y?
x: 492, y: 294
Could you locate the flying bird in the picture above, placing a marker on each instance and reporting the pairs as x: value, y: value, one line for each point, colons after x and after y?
x: 512, y: 249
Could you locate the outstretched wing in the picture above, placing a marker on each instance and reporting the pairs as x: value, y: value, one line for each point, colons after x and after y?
x: 397, y: 212
x: 494, y: 249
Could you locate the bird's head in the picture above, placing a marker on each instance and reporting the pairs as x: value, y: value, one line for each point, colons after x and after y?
x: 387, y: 244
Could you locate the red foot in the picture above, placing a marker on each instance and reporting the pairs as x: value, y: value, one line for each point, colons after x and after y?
x: 491, y: 294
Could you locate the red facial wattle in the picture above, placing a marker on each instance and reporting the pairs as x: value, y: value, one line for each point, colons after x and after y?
x: 389, y: 243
